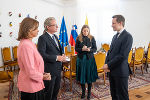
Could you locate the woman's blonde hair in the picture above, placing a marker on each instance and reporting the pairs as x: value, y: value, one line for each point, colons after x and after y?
x: 26, y: 26
x: 81, y: 33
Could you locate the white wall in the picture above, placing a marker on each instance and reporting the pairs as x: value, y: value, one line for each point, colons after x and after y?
x: 38, y: 8
x: 137, y: 20
x: 100, y: 12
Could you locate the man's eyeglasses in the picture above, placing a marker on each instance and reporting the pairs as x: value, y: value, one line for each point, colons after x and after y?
x: 54, y: 25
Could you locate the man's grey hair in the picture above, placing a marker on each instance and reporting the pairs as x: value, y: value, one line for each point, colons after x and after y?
x: 47, y: 22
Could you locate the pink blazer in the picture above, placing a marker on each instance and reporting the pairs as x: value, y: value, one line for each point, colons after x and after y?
x: 31, y: 64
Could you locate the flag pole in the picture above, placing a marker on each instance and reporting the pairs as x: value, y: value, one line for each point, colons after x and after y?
x: 86, y: 20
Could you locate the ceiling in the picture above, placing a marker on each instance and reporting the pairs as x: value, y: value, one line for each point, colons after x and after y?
x: 62, y: 2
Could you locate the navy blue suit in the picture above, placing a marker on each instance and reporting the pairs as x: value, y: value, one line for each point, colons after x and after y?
x: 49, y: 51
x: 117, y: 61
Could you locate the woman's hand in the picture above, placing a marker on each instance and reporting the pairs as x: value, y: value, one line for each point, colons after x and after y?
x: 88, y: 49
x: 84, y: 48
x: 46, y: 76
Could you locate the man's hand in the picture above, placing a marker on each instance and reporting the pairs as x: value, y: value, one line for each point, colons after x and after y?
x: 60, y: 58
x: 64, y: 57
x: 105, y: 68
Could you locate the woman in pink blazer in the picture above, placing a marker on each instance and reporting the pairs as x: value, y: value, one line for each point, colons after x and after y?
x: 31, y: 74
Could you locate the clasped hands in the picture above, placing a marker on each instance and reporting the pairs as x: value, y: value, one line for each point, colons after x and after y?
x: 61, y: 58
x: 46, y: 76
x: 85, y: 48
x: 105, y: 68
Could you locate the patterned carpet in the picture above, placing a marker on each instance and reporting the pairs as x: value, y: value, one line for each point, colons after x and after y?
x: 99, y: 91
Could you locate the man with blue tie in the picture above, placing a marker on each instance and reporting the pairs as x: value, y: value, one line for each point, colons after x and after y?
x: 51, y: 51
x: 116, y: 63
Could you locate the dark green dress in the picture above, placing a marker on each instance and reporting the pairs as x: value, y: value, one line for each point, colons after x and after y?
x: 86, y: 69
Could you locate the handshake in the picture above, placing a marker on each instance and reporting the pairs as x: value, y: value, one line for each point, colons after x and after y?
x: 85, y: 48
x: 61, y: 58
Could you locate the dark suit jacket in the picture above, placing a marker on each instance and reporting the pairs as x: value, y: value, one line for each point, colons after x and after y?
x: 117, y: 57
x: 79, y: 45
x: 49, y: 51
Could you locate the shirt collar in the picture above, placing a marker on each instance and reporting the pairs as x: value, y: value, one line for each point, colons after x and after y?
x: 121, y: 31
x: 50, y: 34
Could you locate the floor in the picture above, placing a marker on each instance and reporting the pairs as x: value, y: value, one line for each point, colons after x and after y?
x: 4, y: 89
x: 142, y: 93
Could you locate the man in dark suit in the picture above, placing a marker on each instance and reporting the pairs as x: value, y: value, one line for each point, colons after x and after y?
x: 51, y: 51
x: 117, y: 60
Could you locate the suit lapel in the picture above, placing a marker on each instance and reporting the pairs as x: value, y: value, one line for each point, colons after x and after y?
x: 116, y: 40
x: 52, y: 41
x: 113, y: 42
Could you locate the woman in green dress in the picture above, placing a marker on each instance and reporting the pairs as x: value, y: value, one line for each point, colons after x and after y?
x: 86, y: 69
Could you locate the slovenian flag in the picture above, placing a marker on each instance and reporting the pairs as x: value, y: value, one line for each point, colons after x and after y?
x: 73, y: 35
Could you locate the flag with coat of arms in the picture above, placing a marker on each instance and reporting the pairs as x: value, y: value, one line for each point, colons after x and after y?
x: 73, y: 35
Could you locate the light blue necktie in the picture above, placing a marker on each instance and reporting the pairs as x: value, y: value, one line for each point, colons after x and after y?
x: 53, y: 37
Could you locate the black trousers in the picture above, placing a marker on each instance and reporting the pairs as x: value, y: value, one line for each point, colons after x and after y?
x: 32, y: 96
x: 52, y: 87
x: 119, y: 88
